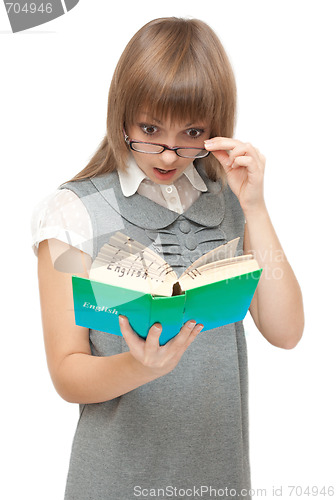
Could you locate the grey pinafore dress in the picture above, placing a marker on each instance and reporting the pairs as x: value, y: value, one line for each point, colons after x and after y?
x: 186, y: 433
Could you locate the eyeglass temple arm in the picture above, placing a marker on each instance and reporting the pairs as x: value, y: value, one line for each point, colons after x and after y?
x: 127, y: 140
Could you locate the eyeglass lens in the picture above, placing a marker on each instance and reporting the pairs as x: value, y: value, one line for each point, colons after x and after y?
x: 156, y: 149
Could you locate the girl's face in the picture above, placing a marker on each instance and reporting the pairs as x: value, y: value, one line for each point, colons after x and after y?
x: 166, y: 167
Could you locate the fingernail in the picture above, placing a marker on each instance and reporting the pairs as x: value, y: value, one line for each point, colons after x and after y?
x: 199, y: 328
x: 157, y: 327
x: 122, y: 318
x: 191, y: 324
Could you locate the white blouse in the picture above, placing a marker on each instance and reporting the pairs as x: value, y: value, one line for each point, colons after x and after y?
x: 63, y: 216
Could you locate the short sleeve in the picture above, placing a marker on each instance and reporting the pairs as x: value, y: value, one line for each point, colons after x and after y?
x: 62, y: 216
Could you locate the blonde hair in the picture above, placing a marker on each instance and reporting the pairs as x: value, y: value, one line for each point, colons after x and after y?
x: 177, y: 69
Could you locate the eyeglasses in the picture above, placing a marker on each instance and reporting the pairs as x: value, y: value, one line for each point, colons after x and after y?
x: 155, y: 149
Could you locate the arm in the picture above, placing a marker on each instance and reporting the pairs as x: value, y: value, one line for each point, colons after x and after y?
x: 277, y: 307
x: 78, y: 376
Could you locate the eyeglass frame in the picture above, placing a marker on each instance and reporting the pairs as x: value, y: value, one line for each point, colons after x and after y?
x: 129, y: 142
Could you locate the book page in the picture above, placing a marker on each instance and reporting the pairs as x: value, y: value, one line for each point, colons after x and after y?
x: 127, y: 244
x: 220, y: 264
x: 212, y: 273
x: 221, y: 252
x: 128, y: 274
x: 128, y: 264
x: 155, y: 269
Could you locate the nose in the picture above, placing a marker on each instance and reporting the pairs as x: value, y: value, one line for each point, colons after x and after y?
x: 168, y: 157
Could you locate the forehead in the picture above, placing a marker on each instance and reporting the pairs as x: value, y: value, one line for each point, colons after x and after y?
x: 170, y: 121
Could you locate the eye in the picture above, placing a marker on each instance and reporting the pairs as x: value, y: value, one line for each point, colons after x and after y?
x: 194, y: 133
x: 148, y: 129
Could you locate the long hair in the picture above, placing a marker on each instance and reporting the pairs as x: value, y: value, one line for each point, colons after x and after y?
x: 175, y: 68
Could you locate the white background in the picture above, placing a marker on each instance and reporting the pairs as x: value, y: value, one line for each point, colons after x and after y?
x: 53, y: 100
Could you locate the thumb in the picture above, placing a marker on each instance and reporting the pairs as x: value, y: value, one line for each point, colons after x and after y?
x: 222, y: 156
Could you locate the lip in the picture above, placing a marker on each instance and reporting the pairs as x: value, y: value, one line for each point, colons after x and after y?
x: 170, y: 173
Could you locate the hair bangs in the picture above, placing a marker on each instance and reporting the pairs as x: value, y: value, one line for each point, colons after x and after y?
x: 172, y: 83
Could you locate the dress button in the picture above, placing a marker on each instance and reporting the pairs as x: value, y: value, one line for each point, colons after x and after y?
x: 185, y: 227
x: 169, y: 189
x: 191, y: 242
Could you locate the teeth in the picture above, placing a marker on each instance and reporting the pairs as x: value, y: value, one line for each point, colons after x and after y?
x: 162, y: 171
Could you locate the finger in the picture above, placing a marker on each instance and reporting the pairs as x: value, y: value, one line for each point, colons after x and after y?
x: 246, y: 161
x: 195, y: 331
x: 221, y: 143
x: 223, y: 158
x: 185, y: 331
x: 262, y: 158
x: 243, y: 149
x: 153, y: 338
x: 132, y: 339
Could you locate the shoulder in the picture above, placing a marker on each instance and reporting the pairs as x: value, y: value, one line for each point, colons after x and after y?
x: 55, y: 204
x: 61, y: 215
x: 91, y: 185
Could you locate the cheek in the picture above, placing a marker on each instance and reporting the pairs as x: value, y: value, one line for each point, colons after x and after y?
x: 138, y: 157
x: 185, y: 162
x: 143, y: 161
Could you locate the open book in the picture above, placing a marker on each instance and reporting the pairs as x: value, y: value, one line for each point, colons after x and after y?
x: 130, y: 279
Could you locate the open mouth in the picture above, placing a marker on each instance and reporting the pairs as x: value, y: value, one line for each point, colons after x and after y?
x: 162, y: 171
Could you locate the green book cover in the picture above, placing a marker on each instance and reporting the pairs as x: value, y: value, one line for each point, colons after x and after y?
x: 97, y: 305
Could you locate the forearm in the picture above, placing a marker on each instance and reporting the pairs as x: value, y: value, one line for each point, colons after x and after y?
x: 83, y: 378
x: 279, y: 309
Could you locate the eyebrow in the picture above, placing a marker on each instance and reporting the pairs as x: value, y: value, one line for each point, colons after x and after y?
x: 159, y: 122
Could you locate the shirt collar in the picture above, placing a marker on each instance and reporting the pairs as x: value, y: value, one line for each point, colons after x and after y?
x: 131, y: 178
x: 208, y: 210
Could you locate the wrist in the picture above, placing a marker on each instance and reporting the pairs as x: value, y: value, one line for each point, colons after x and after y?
x: 146, y: 373
x: 257, y: 210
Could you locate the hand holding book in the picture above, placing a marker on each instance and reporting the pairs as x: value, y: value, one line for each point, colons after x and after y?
x: 159, y: 359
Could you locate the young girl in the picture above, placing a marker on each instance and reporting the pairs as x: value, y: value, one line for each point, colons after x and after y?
x: 163, y: 421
